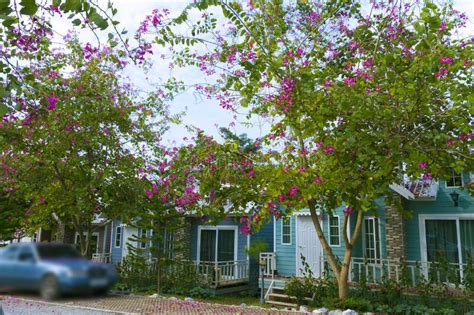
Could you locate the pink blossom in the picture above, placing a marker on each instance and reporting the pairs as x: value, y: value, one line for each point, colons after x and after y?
x: 353, y: 45
x: 271, y: 205
x: 327, y: 83
x: 293, y: 191
x: 427, y: 176
x: 52, y: 100
x: 368, y: 63
x: 245, y: 229
x: 423, y: 165
x: 149, y: 193
x: 447, y: 60
x: 442, y: 27
x: 329, y: 149
x: 349, y: 81
x: 318, y: 180
x: 251, y: 173
x: 441, y: 73
x: 450, y: 142
x: 348, y: 210
x: 281, y: 197
x: 276, y: 214
x: 467, y: 63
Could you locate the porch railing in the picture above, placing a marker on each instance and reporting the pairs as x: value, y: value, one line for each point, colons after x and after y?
x: 269, y: 262
x: 375, y: 271
x: 224, y: 273
x: 103, y: 258
x: 409, y: 272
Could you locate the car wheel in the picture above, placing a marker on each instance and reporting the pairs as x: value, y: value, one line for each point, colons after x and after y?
x: 49, y: 288
x: 102, y: 292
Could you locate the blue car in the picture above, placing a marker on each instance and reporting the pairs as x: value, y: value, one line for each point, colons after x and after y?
x: 52, y: 270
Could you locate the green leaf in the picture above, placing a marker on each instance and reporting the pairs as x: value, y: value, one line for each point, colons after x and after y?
x: 29, y: 7
x: 76, y: 22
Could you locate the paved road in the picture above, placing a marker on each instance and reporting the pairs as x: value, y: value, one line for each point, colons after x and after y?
x: 20, y: 306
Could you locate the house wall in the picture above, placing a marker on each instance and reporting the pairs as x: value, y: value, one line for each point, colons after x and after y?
x: 233, y: 221
x: 265, y: 234
x: 442, y: 205
x: 116, y: 252
x: 285, y: 254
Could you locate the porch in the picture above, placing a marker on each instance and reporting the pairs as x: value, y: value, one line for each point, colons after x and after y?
x: 224, y: 273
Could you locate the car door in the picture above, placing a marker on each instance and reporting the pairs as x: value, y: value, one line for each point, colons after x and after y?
x: 27, y: 270
x: 7, y: 264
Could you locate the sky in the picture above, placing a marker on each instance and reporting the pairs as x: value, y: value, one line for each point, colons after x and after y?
x: 204, y: 114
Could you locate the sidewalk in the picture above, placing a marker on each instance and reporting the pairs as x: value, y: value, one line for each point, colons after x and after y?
x: 148, y: 305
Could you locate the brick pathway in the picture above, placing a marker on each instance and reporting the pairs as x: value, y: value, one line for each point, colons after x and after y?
x: 147, y: 305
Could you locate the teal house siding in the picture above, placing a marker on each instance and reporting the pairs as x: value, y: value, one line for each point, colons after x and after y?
x: 286, y: 254
x: 442, y: 205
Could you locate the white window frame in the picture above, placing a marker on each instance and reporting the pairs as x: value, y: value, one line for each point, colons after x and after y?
x: 452, y: 177
x: 217, y: 228
x: 422, y: 228
x: 119, y: 238
x: 364, y: 232
x: 85, y: 235
x: 34, y: 237
x: 338, y: 230
x: 290, y: 221
x: 141, y: 245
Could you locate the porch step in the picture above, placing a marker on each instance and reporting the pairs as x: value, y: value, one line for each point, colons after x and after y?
x: 284, y: 296
x: 282, y: 303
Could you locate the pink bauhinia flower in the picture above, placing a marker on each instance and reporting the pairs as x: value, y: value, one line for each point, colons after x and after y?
x: 52, y: 100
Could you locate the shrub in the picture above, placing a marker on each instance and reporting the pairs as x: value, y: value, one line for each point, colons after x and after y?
x: 202, y: 293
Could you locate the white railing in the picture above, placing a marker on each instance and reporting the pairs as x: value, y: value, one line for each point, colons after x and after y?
x: 410, y: 272
x: 224, y: 272
x: 269, y: 262
x: 103, y: 258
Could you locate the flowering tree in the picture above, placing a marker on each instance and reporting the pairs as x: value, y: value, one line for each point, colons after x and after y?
x: 355, y: 96
x: 26, y: 32
x: 78, y: 139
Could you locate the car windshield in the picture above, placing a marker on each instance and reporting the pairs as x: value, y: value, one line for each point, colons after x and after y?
x: 51, y: 251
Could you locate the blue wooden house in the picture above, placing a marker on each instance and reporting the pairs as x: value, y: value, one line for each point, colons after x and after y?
x: 218, y: 249
x: 441, y: 228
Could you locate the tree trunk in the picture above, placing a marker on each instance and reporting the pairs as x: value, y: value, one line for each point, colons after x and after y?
x: 341, y: 272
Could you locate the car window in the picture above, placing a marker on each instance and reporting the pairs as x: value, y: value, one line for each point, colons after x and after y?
x: 9, y: 252
x: 53, y: 251
x: 25, y: 254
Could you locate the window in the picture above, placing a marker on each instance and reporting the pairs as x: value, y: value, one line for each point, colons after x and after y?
x: 443, y: 243
x: 142, y: 238
x: 34, y: 239
x: 455, y: 180
x: 372, y: 240
x: 217, y: 244
x: 118, y: 236
x: 334, y: 231
x: 286, y: 231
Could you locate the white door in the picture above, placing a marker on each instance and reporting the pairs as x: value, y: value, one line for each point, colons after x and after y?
x: 127, y: 233
x: 309, y: 246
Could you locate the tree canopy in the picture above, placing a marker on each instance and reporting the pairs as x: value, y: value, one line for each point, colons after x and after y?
x: 356, y: 97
